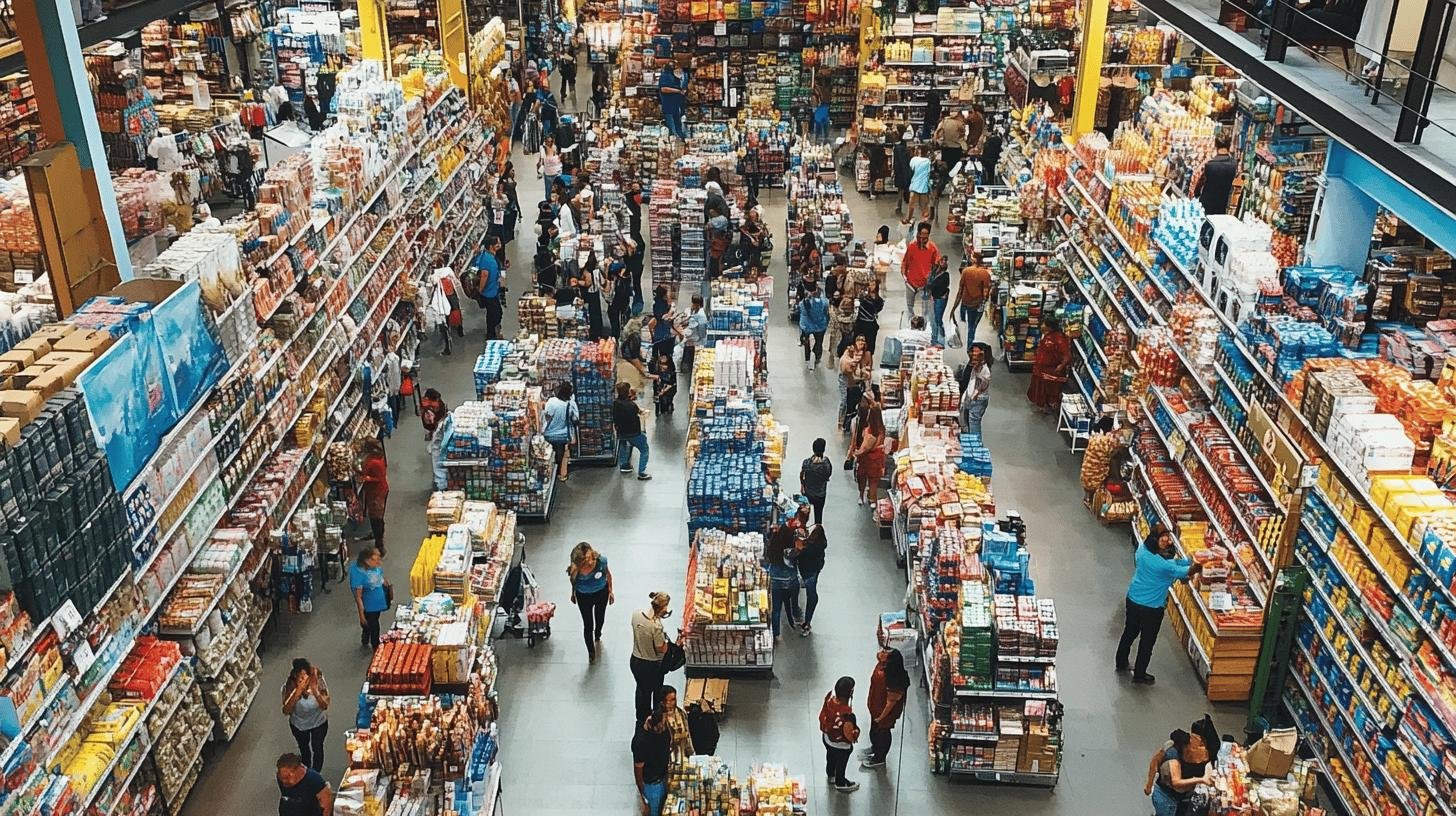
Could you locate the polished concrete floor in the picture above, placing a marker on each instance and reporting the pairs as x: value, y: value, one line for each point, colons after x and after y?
x: 566, y: 723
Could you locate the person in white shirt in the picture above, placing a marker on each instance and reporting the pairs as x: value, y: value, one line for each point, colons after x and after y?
x: 697, y: 332
x: 977, y: 393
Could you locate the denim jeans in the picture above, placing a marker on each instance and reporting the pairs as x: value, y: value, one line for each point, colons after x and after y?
x: 1163, y: 802
x: 937, y: 329
x: 656, y: 794
x: 972, y: 414
x: 811, y: 595
x: 624, y: 452
x: 549, y: 181
x: 438, y: 465
x: 821, y: 131
x: 785, y: 593
x: 972, y: 317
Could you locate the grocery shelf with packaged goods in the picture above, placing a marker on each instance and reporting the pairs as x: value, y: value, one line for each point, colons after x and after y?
x: 1284, y: 359
x: 987, y: 643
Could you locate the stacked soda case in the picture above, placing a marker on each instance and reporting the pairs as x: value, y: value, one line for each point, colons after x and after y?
x: 727, y: 485
x: 494, y: 452
x: 692, y: 237
x: 488, y: 364
x: 400, y: 668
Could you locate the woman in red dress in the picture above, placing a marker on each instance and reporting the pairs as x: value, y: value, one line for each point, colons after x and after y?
x: 375, y: 476
x: 1049, y: 371
x: 869, y: 455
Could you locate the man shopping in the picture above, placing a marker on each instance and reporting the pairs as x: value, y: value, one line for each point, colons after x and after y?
x: 921, y: 258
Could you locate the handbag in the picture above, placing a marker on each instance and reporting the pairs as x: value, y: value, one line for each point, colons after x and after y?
x: 1194, y: 804
x: 388, y: 596
x: 674, y: 658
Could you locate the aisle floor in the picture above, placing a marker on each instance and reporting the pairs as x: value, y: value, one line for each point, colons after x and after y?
x: 566, y: 724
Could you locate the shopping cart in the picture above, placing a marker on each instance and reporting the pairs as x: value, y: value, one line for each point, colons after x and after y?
x: 521, y: 595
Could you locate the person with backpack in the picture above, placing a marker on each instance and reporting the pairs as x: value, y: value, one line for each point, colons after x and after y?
x: 838, y: 730
x: 814, y: 476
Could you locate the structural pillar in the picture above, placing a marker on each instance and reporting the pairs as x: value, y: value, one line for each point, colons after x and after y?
x: 455, y: 41
x: 374, y: 33
x: 85, y: 249
x: 1089, y: 67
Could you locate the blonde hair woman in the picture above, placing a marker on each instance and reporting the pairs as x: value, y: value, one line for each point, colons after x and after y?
x: 649, y: 644
x: 591, y: 591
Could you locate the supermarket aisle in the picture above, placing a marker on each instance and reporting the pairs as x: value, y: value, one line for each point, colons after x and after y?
x: 567, y: 724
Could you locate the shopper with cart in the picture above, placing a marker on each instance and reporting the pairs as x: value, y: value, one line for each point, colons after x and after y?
x: 591, y: 591
x: 922, y: 257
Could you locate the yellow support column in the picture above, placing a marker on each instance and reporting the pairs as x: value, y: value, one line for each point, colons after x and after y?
x: 374, y: 33
x: 1089, y: 67
x: 455, y: 41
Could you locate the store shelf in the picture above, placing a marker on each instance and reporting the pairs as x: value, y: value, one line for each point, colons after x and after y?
x: 1319, y: 713
x: 1009, y: 694
x: 19, y: 655
x: 1018, y: 659
x: 897, y: 36
x: 1228, y: 380
x: 1339, y: 749
x: 227, y: 583
x: 972, y: 736
x: 1006, y: 777
x: 104, y: 778
x: 122, y: 788
x: 166, y: 719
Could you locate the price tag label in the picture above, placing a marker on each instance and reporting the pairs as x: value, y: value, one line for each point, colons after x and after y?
x: 66, y: 619
x: 24, y: 276
x: 720, y: 29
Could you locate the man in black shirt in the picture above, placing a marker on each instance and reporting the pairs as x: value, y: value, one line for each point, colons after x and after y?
x: 1217, y: 180
x: 627, y: 421
x: 651, y: 748
x: 301, y: 790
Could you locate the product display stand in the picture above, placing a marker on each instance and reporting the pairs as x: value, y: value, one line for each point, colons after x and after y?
x: 493, y: 451
x: 703, y: 784
x: 727, y: 625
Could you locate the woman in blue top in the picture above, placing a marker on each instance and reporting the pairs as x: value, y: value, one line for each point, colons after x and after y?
x: 561, y: 415
x: 1155, y: 569
x: 813, y: 322
x: 367, y: 582
x: 783, y: 576
x: 591, y: 591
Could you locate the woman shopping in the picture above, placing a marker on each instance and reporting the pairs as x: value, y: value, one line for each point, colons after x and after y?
x: 889, y: 686
x: 306, y: 702
x: 783, y: 577
x: 1049, y: 369
x: 812, y: 545
x: 1176, y: 771
x: 560, y: 418
x: 869, y: 455
x: 867, y: 314
x: 854, y: 373
x: 371, y: 594
x: 374, y: 474
x: 649, y: 644
x: 591, y: 591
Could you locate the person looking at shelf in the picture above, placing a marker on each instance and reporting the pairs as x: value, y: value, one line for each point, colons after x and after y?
x: 976, y: 390
x: 919, y: 187
x: 371, y: 593
x: 374, y: 474
x: 306, y: 702
x: 1049, y: 367
x: 651, y: 753
x: 1156, y: 568
x: 561, y: 416
x: 591, y: 591
x: 1176, y: 770
x: 664, y: 388
x: 889, y: 686
x: 677, y: 724
x: 301, y: 790
x: 696, y: 335
x: 869, y: 453
x: 672, y: 90
x: 1216, y: 181
x: 922, y: 258
x: 488, y: 266
x: 649, y: 644
x: 972, y: 292
x: 783, y: 578
x: 950, y: 134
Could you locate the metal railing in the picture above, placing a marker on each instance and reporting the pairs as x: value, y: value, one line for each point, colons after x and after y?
x: 1314, y: 27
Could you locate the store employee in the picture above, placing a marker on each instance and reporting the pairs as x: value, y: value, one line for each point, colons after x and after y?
x: 672, y: 89
x: 1216, y: 183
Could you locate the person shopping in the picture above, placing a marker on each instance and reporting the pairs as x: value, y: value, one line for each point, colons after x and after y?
x: 1156, y: 568
x: 302, y: 791
x: 649, y: 644
x: 651, y: 754
x: 889, y: 686
x: 814, y: 476
x: 591, y: 591
x: 561, y: 416
x: 664, y: 388
x: 854, y: 372
x: 783, y: 577
x: 627, y: 420
x: 922, y: 258
x: 672, y: 91
x: 813, y: 323
x: 374, y: 474
x: 812, y: 545
x: 976, y: 394
x: 306, y: 702
x: 677, y: 724
x: 1176, y: 771
x: 867, y: 315
x: 972, y: 292
x: 869, y: 456
x: 1049, y: 368
x: 371, y: 594
x: 838, y: 731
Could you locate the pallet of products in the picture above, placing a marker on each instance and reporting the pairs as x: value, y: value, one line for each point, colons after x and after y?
x: 706, y: 784
x: 590, y: 367
x: 493, y: 450
x: 726, y: 606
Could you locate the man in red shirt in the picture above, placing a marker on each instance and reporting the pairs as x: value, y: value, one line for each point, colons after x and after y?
x: 921, y: 257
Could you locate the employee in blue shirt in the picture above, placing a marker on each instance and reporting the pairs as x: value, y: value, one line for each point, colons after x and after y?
x: 1155, y: 569
x: 487, y: 264
x: 672, y: 88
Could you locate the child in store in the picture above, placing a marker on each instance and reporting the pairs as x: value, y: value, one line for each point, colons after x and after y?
x: 664, y: 389
x: 432, y: 410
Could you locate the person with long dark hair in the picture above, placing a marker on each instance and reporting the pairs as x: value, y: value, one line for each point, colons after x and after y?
x: 371, y: 594
x: 374, y: 474
x: 837, y: 730
x: 812, y: 545
x: 591, y: 591
x: 869, y: 455
x: 783, y: 577
x: 306, y: 702
x: 867, y: 316
x: 1176, y: 770
x: 560, y: 417
x: 889, y: 686
x: 1156, y: 567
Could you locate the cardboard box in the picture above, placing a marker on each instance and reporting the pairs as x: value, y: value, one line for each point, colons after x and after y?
x: 1273, y: 754
x: 67, y: 365
x: 21, y: 405
x: 711, y: 694
x: 10, y: 431
x: 38, y: 346
x: 53, y: 332
x: 24, y: 377
x: 49, y: 384
x: 86, y: 341
x: 18, y: 357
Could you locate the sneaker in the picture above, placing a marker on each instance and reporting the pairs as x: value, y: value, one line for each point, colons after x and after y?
x: 805, y: 630
x: 872, y: 763
x: 1143, y: 679
x: 624, y: 470
x: 644, y: 477
x: 591, y: 654
x: 808, y: 365
x: 847, y: 787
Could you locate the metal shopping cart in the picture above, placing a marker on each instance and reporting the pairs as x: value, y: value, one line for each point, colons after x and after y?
x: 521, y: 595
